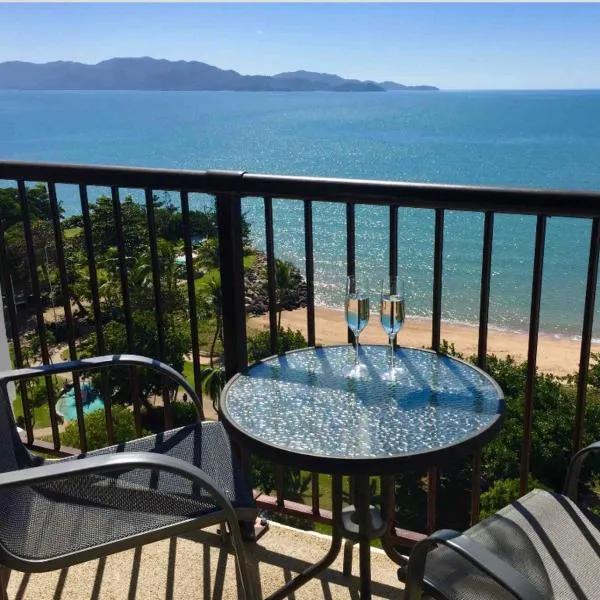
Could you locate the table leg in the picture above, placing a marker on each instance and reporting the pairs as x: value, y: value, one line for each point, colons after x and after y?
x: 363, y: 501
x: 388, y: 493
x: 334, y: 549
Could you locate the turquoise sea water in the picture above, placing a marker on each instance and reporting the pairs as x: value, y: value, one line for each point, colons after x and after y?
x: 515, y: 139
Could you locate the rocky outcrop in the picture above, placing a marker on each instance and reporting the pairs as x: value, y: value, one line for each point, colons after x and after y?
x: 257, y: 295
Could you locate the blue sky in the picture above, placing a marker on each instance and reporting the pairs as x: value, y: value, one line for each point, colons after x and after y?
x: 453, y: 46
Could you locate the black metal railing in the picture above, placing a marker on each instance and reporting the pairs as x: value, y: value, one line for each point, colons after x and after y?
x: 228, y: 189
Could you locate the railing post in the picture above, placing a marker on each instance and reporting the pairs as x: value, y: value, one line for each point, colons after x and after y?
x: 4, y: 351
x: 231, y: 258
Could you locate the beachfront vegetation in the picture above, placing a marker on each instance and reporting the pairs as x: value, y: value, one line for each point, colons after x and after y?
x: 95, y: 429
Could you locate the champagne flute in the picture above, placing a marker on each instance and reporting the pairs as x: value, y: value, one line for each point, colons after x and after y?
x: 357, y: 316
x: 391, y: 316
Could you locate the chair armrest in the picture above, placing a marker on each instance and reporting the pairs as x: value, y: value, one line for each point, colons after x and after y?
x: 479, y: 556
x: 97, y: 362
x: 123, y: 461
x: 574, y: 470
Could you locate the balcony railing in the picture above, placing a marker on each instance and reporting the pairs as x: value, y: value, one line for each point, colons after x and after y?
x: 228, y: 189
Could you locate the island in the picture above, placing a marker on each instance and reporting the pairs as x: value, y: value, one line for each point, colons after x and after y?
x: 147, y: 73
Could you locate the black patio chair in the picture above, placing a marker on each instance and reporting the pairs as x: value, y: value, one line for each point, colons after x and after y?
x: 543, y: 546
x: 56, y: 513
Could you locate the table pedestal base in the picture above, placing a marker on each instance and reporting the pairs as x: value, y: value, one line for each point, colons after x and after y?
x: 360, y: 524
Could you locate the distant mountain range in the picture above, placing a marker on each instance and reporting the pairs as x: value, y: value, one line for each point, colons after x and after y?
x: 153, y: 74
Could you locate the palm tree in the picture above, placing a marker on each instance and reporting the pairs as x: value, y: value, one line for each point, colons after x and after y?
x: 213, y: 381
x: 207, y: 254
x: 213, y: 304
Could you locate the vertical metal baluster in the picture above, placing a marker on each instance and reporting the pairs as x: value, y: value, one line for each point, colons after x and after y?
x: 486, y: 276
x: 35, y: 285
x: 586, y: 334
x: 160, y: 321
x: 393, y: 270
x: 229, y: 221
x: 279, y: 485
x: 64, y: 286
x: 116, y: 202
x: 271, y: 278
x: 438, y: 262
x: 193, y: 312
x: 350, y: 252
x: 432, y: 485
x: 310, y: 271
x: 484, y: 309
x: 314, y: 479
x: 475, y: 486
x: 95, y: 292
x: 14, y: 332
x: 393, y: 266
x: 534, y: 325
x: 388, y: 495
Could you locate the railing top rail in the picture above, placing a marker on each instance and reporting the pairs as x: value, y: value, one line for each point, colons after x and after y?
x: 418, y: 195
x: 105, y: 175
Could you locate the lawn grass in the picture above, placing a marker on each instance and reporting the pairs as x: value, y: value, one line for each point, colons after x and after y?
x: 72, y: 232
x: 41, y: 414
x: 188, y: 372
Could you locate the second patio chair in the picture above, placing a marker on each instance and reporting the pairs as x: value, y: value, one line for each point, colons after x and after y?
x: 543, y: 546
x: 56, y: 513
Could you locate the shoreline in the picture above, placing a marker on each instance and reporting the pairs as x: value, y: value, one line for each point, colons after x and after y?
x: 556, y: 355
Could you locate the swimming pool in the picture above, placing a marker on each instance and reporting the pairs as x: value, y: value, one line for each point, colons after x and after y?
x: 92, y: 402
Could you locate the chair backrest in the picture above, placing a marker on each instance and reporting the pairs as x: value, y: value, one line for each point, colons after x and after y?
x: 13, y: 454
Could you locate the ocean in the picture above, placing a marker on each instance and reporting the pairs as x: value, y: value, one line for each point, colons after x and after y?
x: 526, y: 139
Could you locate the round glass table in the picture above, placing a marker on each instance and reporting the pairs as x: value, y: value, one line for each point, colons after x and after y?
x: 300, y: 410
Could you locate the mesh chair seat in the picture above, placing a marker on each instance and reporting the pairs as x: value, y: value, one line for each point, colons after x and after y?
x: 67, y: 515
x: 545, y: 536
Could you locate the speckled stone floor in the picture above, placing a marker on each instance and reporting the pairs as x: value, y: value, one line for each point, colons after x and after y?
x: 199, y: 567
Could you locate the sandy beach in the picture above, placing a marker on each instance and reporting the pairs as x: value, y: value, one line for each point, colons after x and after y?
x: 555, y: 354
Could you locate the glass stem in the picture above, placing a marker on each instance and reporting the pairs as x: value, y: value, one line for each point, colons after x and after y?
x: 356, y: 350
x: 392, y: 354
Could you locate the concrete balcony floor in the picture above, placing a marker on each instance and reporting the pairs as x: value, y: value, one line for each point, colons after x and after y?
x: 199, y: 567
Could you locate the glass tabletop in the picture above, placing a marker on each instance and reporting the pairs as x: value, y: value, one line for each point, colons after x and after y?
x: 301, y: 402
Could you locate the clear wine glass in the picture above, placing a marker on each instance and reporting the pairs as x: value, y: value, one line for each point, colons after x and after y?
x: 357, y: 316
x: 391, y: 316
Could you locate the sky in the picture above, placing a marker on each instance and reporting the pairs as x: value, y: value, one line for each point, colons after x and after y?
x: 453, y: 46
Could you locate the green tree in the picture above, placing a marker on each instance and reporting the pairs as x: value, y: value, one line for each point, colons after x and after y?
x: 211, y: 306
x: 207, y: 255
x: 213, y: 380
x: 104, y: 230
x: 38, y: 203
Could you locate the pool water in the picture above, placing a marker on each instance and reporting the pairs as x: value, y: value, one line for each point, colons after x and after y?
x: 91, y: 402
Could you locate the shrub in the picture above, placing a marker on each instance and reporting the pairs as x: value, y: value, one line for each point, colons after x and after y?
x: 95, y: 429
x: 503, y: 492
x: 259, y: 345
x: 552, y: 428
x: 183, y: 413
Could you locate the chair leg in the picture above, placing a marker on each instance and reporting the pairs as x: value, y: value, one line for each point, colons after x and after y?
x: 347, y: 570
x: 4, y: 577
x: 248, y: 583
